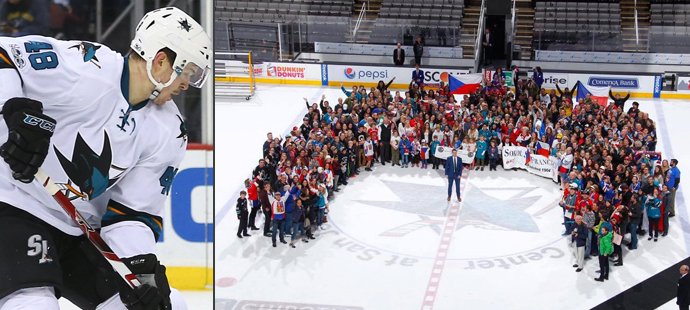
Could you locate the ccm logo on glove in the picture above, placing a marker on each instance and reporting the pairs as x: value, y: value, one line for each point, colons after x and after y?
x: 42, y: 123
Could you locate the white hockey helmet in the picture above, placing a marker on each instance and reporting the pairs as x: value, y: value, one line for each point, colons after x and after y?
x: 170, y: 27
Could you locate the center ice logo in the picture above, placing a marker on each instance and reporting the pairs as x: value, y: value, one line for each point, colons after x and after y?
x: 350, y: 73
x: 412, y: 213
x: 479, y: 209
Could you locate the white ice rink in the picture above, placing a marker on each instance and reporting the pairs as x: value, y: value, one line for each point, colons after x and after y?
x: 196, y: 300
x: 393, y: 242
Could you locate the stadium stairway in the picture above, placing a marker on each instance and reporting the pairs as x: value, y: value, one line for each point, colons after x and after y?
x: 524, y: 24
x: 628, y: 25
x: 367, y: 24
x: 470, y: 22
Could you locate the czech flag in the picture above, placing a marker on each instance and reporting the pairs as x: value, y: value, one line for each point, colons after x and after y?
x: 599, y: 95
x: 543, y: 148
x: 464, y: 84
x: 528, y: 157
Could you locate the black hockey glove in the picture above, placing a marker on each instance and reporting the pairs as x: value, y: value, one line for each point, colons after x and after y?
x: 154, y: 292
x: 28, y: 139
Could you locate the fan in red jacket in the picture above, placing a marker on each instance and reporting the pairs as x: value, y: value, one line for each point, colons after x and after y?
x: 253, y: 196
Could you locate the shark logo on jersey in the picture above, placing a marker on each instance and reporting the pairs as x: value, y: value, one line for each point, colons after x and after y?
x: 88, y: 170
x: 88, y: 50
x: 125, y: 120
x: 184, y: 25
x: 183, y: 131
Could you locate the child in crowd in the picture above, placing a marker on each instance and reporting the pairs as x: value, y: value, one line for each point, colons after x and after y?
x: 481, y: 153
x: 242, y: 215
x: 321, y: 204
x: 434, y: 145
x: 405, y: 148
x: 368, y: 153
x: 493, y: 155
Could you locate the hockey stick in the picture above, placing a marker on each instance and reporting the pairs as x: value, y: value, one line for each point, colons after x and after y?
x: 89, y: 231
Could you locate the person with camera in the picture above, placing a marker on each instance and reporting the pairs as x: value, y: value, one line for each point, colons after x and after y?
x: 571, y: 197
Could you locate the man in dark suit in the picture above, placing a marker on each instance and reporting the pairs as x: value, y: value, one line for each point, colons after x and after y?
x: 454, y: 172
x: 418, y: 50
x: 488, y: 43
x: 683, y: 289
x: 399, y: 55
x: 418, y: 76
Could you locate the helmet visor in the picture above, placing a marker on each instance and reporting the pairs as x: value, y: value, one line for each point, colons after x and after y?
x: 193, y: 74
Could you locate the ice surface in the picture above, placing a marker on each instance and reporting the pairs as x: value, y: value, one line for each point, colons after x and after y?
x: 196, y: 300
x: 381, y: 248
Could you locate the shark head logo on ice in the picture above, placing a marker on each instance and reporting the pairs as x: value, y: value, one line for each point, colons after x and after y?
x: 515, y: 210
x: 479, y: 210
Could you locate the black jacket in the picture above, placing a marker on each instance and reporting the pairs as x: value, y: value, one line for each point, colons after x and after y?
x: 241, y: 207
x: 683, y: 291
x: 619, y: 102
x: 566, y: 95
x: 298, y: 214
x: 581, y: 238
x: 418, y: 49
x: 386, y: 133
x: 401, y: 61
x: 266, y: 146
x: 636, y: 211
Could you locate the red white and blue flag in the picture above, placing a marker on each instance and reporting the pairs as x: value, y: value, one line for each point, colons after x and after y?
x: 464, y: 83
x: 528, y: 157
x: 543, y: 148
x: 598, y: 94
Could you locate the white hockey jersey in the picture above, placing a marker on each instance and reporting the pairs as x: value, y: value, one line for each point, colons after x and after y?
x: 114, y: 160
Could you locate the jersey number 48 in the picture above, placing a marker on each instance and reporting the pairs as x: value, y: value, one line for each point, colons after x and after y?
x: 41, y: 60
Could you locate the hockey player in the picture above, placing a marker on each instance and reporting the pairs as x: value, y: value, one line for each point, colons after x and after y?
x: 105, y: 130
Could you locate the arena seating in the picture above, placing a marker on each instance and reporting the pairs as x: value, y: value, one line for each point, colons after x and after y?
x: 670, y: 26
x: 574, y: 25
x: 396, y: 16
x: 286, y: 10
x: 318, y: 20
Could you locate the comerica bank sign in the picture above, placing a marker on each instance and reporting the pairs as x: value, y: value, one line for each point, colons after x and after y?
x: 614, y: 82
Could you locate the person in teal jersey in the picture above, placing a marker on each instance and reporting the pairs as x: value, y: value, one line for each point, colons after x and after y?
x: 480, y: 156
x: 434, y: 144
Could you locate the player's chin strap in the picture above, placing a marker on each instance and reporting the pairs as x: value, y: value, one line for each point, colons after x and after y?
x: 154, y: 94
x: 158, y: 85
x: 125, y: 273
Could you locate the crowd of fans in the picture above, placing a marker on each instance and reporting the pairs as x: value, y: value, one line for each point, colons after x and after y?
x: 62, y: 19
x: 609, y: 169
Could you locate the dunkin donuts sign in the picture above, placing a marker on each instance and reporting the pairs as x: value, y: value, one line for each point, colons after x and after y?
x: 285, y: 71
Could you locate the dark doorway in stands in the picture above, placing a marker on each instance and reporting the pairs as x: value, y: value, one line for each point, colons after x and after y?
x: 497, y: 25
